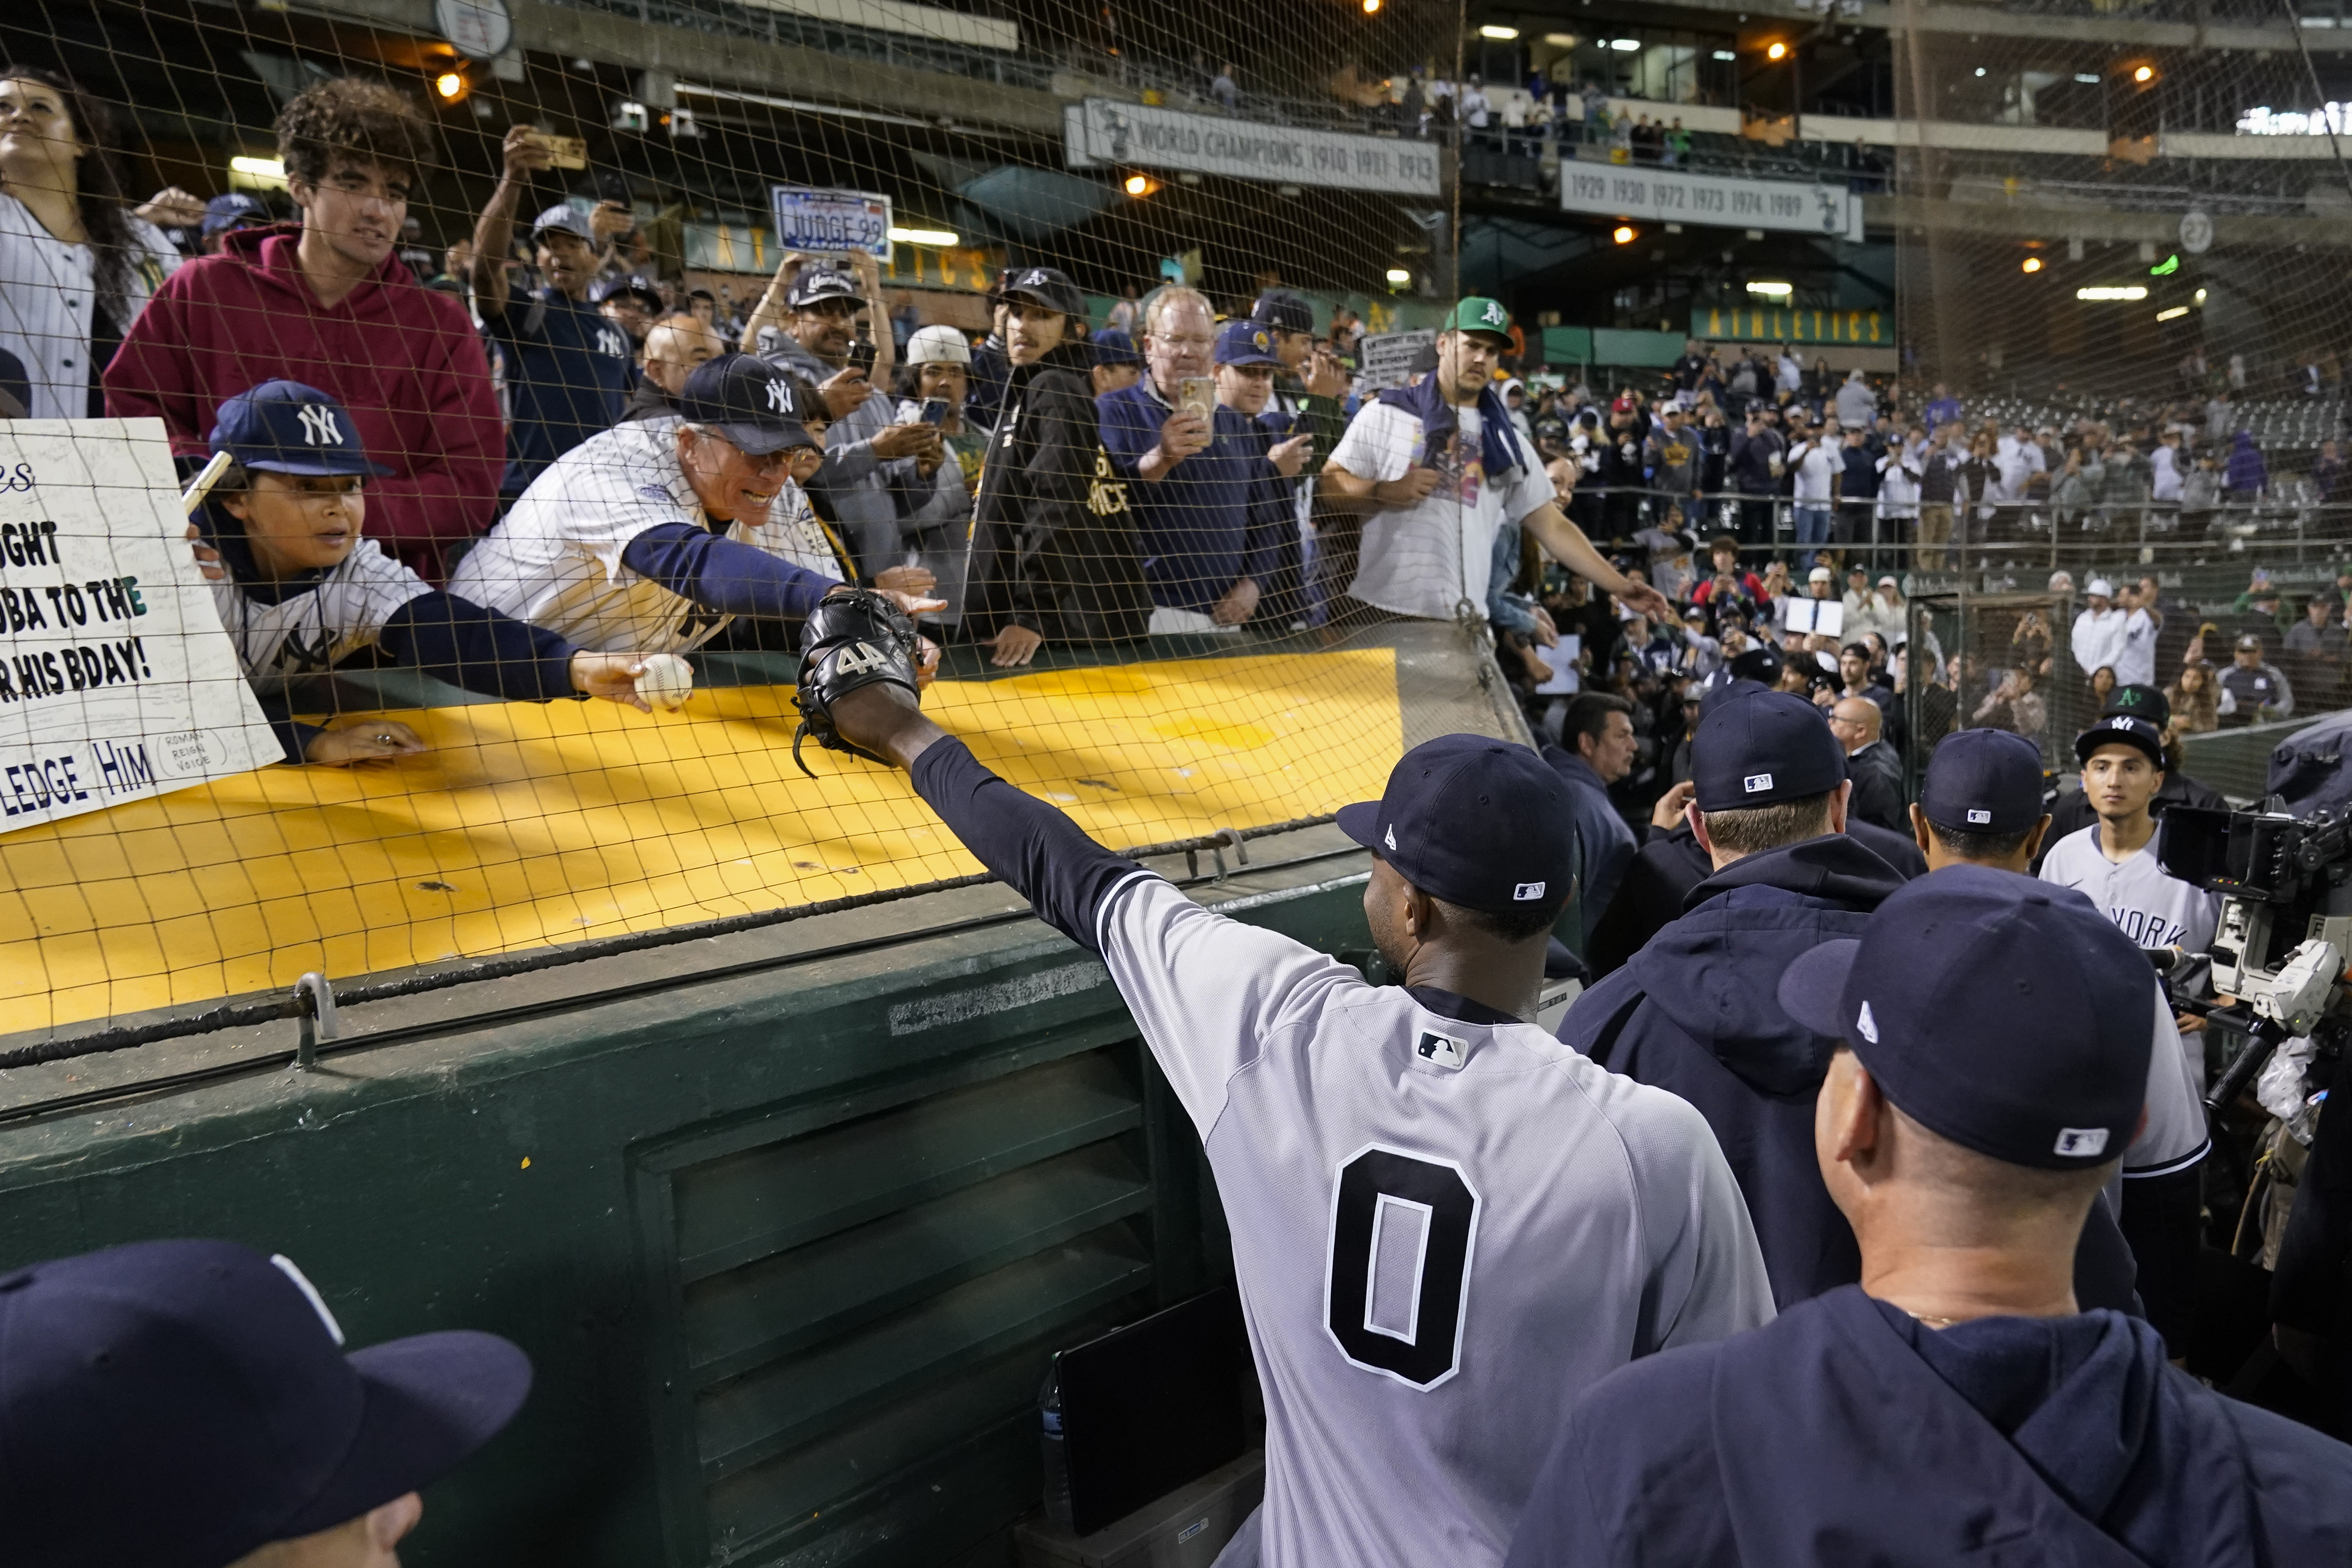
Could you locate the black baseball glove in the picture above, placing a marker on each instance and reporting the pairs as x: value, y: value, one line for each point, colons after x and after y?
x: 851, y: 639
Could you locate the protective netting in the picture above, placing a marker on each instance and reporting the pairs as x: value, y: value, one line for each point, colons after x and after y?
x: 440, y: 289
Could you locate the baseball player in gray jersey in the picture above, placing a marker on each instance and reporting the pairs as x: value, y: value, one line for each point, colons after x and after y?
x: 1445, y: 1224
x: 2112, y: 861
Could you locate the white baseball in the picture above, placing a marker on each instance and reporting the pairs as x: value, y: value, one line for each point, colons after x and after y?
x: 667, y: 681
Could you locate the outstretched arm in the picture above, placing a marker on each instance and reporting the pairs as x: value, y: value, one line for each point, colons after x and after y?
x: 1567, y: 545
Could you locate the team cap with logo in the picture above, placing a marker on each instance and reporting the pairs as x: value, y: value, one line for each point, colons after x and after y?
x: 2121, y: 729
x: 286, y: 427
x: 565, y: 218
x: 749, y: 401
x: 1479, y: 314
x: 1284, y: 311
x: 1983, y: 781
x: 821, y: 285
x: 1046, y: 286
x: 1761, y: 748
x: 1247, y: 343
x: 1997, y: 1011
x: 1475, y: 821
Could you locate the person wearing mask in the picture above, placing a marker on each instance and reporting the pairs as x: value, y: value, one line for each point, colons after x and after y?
x: 1696, y: 1011
x: 193, y: 1401
x: 1440, y: 462
x: 1980, y: 804
x: 2254, y: 689
x: 330, y: 305
x: 1056, y: 553
x: 1875, y: 767
x: 2113, y: 860
x: 1203, y: 491
x: 674, y: 345
x: 1596, y: 751
x: 1965, y: 1392
x: 869, y: 457
x: 659, y: 538
x: 568, y: 367
x: 76, y: 266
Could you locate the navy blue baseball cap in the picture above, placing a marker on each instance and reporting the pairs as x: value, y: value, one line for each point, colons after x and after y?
x: 1475, y: 821
x: 749, y: 401
x: 1246, y: 342
x: 179, y: 1403
x: 1722, y: 687
x: 287, y: 428
x: 1762, y: 663
x: 1983, y: 781
x: 1113, y: 346
x: 1284, y: 311
x: 2122, y: 729
x: 2002, y: 1012
x: 234, y: 210
x: 819, y: 285
x: 1762, y: 748
x: 1047, y: 286
x: 638, y: 289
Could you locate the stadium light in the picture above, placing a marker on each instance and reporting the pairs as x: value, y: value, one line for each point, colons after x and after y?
x: 2173, y: 314
x: 2144, y: 75
x: 1398, y: 276
x: 258, y: 168
x: 1560, y: 41
x: 940, y: 237
x: 1625, y: 45
x: 2200, y: 296
x: 1623, y: 234
x: 1499, y: 33
x: 1139, y: 185
x: 2086, y: 79
x: 2102, y: 292
x: 1372, y: 7
x: 1775, y: 50
x: 449, y: 85
x: 1725, y: 55
x: 1772, y: 290
x: 2031, y: 264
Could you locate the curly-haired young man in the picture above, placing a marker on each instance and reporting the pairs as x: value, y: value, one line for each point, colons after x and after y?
x: 326, y: 303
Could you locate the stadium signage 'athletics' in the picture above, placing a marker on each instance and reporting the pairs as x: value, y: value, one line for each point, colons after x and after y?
x: 1720, y: 200
x: 116, y: 680
x: 1099, y: 132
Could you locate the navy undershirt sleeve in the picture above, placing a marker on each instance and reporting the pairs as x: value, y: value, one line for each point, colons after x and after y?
x: 474, y: 647
x: 1033, y: 849
x: 724, y: 574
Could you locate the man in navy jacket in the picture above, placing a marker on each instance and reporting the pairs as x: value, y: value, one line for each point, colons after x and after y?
x: 1955, y: 1405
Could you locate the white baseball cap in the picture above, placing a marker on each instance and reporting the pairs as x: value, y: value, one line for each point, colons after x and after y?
x: 1821, y: 575
x: 937, y: 345
x: 2100, y: 588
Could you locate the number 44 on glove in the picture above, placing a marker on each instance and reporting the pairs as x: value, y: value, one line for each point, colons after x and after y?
x: 852, y: 639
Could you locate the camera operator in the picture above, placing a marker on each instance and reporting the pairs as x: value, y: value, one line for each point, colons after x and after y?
x: 1980, y: 804
x: 2114, y: 860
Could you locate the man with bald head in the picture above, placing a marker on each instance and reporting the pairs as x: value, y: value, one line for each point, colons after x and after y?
x: 674, y: 345
x: 1873, y: 766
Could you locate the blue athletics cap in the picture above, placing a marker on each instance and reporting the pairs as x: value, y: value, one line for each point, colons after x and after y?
x: 287, y: 428
x: 1983, y: 781
x: 1113, y: 346
x: 180, y: 1403
x: 2124, y: 729
x: 749, y: 401
x: 1247, y: 343
x: 1475, y: 821
x: 2000, y: 1012
x: 1763, y: 748
x: 234, y: 210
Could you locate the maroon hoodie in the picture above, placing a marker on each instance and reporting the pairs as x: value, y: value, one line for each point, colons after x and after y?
x: 402, y: 358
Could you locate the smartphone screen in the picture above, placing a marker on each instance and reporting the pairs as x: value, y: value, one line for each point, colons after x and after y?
x: 1198, y: 395
x: 935, y: 410
x: 861, y: 356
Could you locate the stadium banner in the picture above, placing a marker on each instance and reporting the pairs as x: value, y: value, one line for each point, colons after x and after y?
x: 831, y: 223
x: 1099, y: 132
x: 1785, y: 324
x: 116, y: 680
x: 1720, y: 200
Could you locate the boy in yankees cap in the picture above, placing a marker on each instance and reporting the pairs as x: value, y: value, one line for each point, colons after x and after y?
x: 299, y: 591
x: 2114, y: 860
x: 1445, y: 1225
x: 191, y: 1405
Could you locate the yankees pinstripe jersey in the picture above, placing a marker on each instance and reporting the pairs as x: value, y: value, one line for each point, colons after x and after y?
x: 2150, y: 908
x: 315, y: 624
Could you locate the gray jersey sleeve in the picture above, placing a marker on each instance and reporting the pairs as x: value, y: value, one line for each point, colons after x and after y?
x: 1707, y: 1278
x: 2173, y: 1138
x: 1206, y: 990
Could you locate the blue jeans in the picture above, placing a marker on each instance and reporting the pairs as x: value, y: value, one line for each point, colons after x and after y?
x: 1812, y: 524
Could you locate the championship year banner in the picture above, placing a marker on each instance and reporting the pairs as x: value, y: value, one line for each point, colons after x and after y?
x: 116, y: 680
x: 1385, y: 360
x: 1721, y: 200
x: 834, y: 222
x: 1101, y: 131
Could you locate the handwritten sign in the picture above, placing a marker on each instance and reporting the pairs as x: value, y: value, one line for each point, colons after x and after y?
x: 116, y: 680
x: 831, y: 223
x: 1714, y: 200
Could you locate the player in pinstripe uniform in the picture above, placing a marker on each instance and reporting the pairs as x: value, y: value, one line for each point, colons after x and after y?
x: 2112, y: 861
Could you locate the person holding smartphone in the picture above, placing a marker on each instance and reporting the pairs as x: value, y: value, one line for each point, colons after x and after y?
x: 935, y: 492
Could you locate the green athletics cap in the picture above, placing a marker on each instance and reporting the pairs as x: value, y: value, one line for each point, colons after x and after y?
x: 1479, y: 315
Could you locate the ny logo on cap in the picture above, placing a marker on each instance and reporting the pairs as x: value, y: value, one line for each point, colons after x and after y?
x: 1436, y: 1047
x: 1978, y: 817
x: 1389, y: 838
x: 1492, y: 313
x: 319, y: 428
x: 2084, y: 1143
x: 1527, y: 892
x: 1865, y: 1025
x: 2121, y: 721
x: 780, y: 396
x: 1757, y: 783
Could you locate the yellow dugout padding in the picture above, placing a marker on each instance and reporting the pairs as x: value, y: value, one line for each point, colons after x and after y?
x: 528, y: 825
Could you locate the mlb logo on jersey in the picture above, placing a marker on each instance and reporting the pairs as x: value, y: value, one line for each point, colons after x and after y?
x: 1757, y: 783
x: 1433, y: 1046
